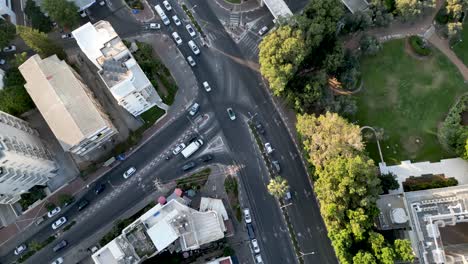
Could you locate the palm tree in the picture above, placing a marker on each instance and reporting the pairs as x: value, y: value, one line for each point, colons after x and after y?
x: 278, y: 187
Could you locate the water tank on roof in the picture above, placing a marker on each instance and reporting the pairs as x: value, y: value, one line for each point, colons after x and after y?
x: 399, y: 216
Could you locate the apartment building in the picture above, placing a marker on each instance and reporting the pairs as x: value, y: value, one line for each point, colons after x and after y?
x: 117, y: 67
x: 6, y: 11
x: 24, y: 160
x: 67, y: 105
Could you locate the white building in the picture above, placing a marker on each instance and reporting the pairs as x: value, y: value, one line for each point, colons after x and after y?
x: 24, y: 160
x: 6, y: 11
x: 117, y: 68
x: 67, y: 105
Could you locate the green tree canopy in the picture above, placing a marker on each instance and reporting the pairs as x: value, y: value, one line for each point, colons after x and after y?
x: 7, y: 32
x: 278, y: 187
x: 64, y: 12
x: 403, y: 250
x: 40, y: 43
x: 388, y: 182
x: 364, y: 257
x: 38, y: 20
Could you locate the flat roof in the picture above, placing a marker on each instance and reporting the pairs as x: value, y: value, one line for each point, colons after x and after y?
x: 278, y: 8
x: 393, y: 213
x: 62, y: 100
x: 162, y: 235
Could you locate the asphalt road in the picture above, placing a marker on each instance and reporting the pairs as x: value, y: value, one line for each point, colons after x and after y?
x: 235, y: 84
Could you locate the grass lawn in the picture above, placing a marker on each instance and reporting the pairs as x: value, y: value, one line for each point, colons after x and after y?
x: 461, y: 48
x: 407, y: 97
x: 151, y: 116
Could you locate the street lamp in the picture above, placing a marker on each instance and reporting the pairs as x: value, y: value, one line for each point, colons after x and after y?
x: 305, y: 254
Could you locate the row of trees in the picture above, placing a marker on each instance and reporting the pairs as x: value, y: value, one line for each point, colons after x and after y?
x: 347, y: 188
x: 453, y: 132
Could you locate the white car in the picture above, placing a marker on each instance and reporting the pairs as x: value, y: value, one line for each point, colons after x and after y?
x: 167, y: 5
x: 194, y: 109
x: 9, y: 48
x: 178, y: 148
x: 268, y: 148
x: 194, y: 47
x: 231, y: 114
x: 255, y: 246
x: 247, y: 217
x: 190, y: 30
x: 53, y: 212
x: 67, y: 36
x: 154, y: 26
x: 258, y: 259
x: 58, y: 261
x: 2, y: 61
x: 191, y: 61
x: 20, y: 249
x: 176, y: 38
x: 263, y: 30
x: 102, y: 3
x: 62, y: 220
x: 129, y: 172
x: 176, y: 20
x: 207, y: 86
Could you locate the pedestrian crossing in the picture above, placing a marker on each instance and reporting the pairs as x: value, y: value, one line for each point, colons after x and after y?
x: 234, y: 19
x: 249, y: 44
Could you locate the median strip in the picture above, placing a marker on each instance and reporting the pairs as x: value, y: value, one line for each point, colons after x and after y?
x: 194, y: 22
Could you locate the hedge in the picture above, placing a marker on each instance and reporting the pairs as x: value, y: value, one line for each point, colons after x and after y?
x: 418, y: 46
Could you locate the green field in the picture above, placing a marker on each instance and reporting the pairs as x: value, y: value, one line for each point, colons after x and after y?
x: 408, y: 98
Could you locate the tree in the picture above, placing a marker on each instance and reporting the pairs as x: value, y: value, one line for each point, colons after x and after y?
x: 40, y: 43
x: 403, y: 250
x: 64, y: 12
x: 35, y: 246
x: 408, y: 8
x: 328, y: 136
x: 15, y: 100
x: 364, y: 257
x: 64, y: 199
x: 20, y: 58
x: 7, y: 32
x: 50, y: 206
x: 369, y: 45
x: 454, y: 29
x: 466, y: 150
x: 280, y: 54
x: 278, y: 187
x: 455, y: 9
x: 388, y: 182
x: 38, y: 20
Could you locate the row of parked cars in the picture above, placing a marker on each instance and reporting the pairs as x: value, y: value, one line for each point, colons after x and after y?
x: 250, y: 231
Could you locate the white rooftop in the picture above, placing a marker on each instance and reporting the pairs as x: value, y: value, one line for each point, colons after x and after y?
x: 278, y: 8
x: 110, y: 254
x: 210, y: 204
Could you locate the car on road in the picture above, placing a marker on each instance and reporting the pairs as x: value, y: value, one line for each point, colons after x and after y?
x: 129, y: 172
x: 53, y: 212
x: 194, y: 109
x: 82, y: 205
x: 58, y: 261
x: 231, y: 114
x: 247, y: 217
x: 9, y: 48
x: 178, y: 148
x: 269, y: 149
x: 176, y: 38
x: 20, y: 249
x: 206, y: 158
x: 206, y: 86
x: 263, y: 30
x: 62, y: 220
x: 100, y: 188
x: 167, y: 5
x: 191, y: 61
x: 67, y: 36
x: 258, y: 259
x: 60, y: 245
x: 188, y: 166
x: 276, y: 165
x: 190, y: 30
x: 154, y: 26
x: 255, y: 246
x: 194, y: 47
x: 250, y: 231
x: 260, y: 128
x: 176, y: 20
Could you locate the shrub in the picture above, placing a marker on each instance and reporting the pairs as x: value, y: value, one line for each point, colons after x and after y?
x: 419, y: 46
x: 65, y: 199
x: 452, y: 133
x: 428, y: 182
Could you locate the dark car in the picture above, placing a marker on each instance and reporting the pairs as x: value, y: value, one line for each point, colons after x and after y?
x: 250, y: 231
x: 260, y: 128
x: 62, y: 244
x: 100, y: 188
x: 82, y: 204
x: 206, y: 158
x: 189, y: 166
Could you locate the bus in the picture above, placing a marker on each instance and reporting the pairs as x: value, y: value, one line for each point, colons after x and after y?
x: 161, y: 14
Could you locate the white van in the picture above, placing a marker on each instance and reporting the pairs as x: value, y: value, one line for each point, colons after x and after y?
x: 162, y: 15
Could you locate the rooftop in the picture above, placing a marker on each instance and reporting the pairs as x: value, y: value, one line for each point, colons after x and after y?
x: 278, y: 8
x: 393, y: 213
x: 62, y: 100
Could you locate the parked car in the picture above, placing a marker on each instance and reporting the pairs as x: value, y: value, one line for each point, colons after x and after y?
x: 53, y: 212
x: 20, y: 249
x: 258, y: 259
x: 83, y: 203
x: 100, y: 188
x: 58, y: 261
x: 268, y: 148
x: 62, y: 220
x: 2, y: 61
x: 129, y: 172
x: 190, y: 30
x: 67, y: 36
x: 102, y: 3
x: 176, y: 20
x: 60, y: 245
x: 260, y: 128
x: 206, y: 158
x: 263, y: 30
x: 194, y: 47
x: 167, y: 5
x: 247, y: 217
x: 250, y: 231
x: 191, y: 61
x: 255, y: 246
x: 176, y: 38
x: 9, y: 48
x: 189, y: 166
x: 276, y: 165
x: 154, y: 26
x: 206, y: 86
x: 178, y: 148
x: 194, y: 109
x: 39, y: 220
x: 231, y: 114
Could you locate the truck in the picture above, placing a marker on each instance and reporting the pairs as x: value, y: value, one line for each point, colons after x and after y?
x: 191, y: 148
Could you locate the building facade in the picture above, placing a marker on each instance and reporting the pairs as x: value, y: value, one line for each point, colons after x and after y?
x: 67, y: 105
x: 117, y: 67
x: 24, y: 160
x: 6, y: 11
